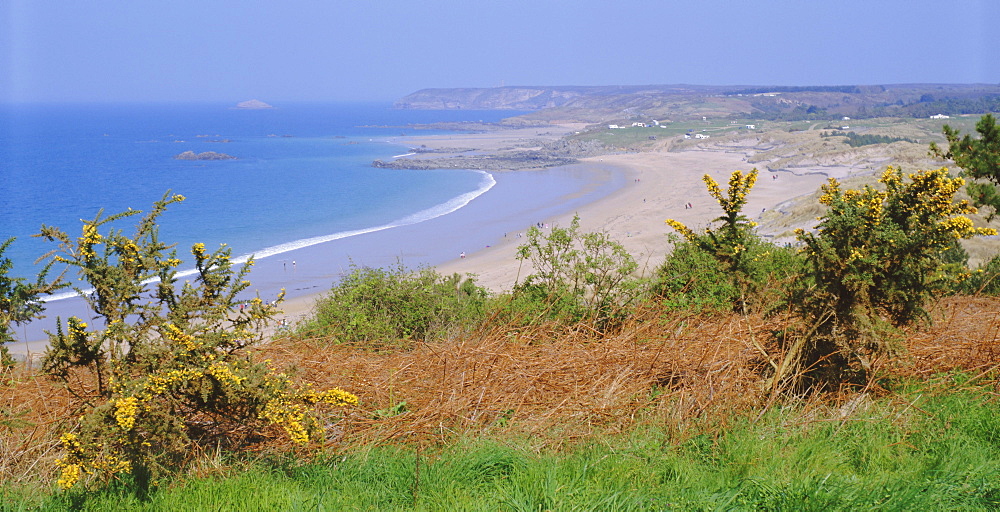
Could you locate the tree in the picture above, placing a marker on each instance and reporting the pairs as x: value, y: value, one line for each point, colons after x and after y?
x: 979, y: 158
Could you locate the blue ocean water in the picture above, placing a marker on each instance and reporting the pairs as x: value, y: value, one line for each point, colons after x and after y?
x: 302, y: 173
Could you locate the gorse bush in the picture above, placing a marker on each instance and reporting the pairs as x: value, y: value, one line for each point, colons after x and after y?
x: 980, y: 160
x: 378, y: 308
x: 873, y: 263
x: 984, y: 280
x: 692, y: 279
x: 732, y: 244
x: 162, y: 371
x: 577, y: 276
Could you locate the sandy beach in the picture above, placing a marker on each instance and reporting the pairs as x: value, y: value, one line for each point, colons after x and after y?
x: 656, y: 186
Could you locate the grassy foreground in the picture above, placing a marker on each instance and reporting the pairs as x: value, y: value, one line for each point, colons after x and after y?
x: 933, y: 445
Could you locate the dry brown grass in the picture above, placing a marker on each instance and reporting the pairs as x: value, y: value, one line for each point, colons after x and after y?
x: 571, y: 385
x: 28, y: 450
x: 965, y: 335
x: 542, y: 384
x: 560, y: 387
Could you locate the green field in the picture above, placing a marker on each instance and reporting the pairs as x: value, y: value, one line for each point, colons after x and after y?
x: 933, y: 445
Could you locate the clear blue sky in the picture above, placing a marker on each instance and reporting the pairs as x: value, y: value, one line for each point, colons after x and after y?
x: 337, y: 50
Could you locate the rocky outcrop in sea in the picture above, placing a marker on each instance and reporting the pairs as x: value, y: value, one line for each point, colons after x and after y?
x: 550, y: 154
x: 207, y: 155
x: 511, y: 162
x: 252, y: 105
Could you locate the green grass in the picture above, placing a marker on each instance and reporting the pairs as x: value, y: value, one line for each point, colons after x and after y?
x: 919, y: 449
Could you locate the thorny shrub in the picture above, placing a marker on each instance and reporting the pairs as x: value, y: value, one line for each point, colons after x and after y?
x: 691, y: 279
x: 873, y: 263
x: 162, y: 371
x: 979, y: 159
x: 733, y: 244
x: 20, y: 300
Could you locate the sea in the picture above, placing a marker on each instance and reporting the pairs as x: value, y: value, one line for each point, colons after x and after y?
x: 301, y: 195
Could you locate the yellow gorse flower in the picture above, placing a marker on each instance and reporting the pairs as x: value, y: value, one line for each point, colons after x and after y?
x: 69, y: 475
x: 90, y: 238
x: 174, y: 333
x: 289, y: 416
x: 125, y: 411
x: 684, y: 230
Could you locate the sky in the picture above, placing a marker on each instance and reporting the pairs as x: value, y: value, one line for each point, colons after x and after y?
x: 381, y: 50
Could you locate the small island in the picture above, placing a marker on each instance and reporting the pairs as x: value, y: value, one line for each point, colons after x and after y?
x: 207, y: 155
x: 252, y: 105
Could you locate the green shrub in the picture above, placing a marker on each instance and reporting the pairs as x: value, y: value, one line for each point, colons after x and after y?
x: 383, y: 307
x: 984, y: 280
x: 692, y: 279
x: 745, y: 266
x: 980, y: 160
x: 577, y: 277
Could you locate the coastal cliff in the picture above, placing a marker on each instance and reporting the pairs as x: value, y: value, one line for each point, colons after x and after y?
x: 498, y: 98
x: 533, y: 97
x: 597, y: 104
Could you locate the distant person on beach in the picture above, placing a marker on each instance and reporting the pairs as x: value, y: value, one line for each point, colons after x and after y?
x: 462, y: 255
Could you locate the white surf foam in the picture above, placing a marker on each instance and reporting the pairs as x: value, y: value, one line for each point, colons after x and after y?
x: 485, y: 184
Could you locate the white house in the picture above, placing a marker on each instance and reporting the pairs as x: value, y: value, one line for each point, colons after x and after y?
x: 613, y: 127
x: 940, y: 116
x: 700, y: 136
x: 751, y: 127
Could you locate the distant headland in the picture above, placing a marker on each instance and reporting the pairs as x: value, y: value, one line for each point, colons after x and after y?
x: 252, y: 105
x: 646, y: 103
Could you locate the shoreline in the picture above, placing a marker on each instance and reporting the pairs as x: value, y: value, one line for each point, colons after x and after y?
x: 656, y: 186
x: 626, y: 195
x: 307, y: 273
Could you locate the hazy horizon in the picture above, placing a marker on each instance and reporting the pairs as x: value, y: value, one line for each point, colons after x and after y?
x: 303, y: 51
